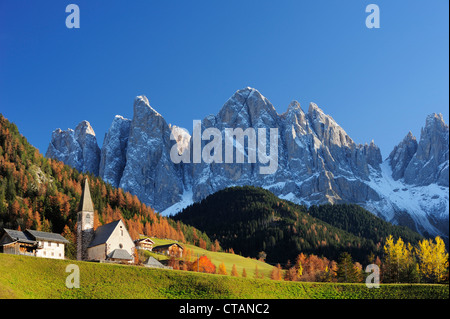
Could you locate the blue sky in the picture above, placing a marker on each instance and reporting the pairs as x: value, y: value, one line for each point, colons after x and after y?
x: 189, y: 57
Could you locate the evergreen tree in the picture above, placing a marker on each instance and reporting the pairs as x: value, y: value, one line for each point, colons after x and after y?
x: 346, y: 270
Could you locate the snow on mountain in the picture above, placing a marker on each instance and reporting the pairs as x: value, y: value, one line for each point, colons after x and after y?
x: 317, y: 162
x: 420, y: 207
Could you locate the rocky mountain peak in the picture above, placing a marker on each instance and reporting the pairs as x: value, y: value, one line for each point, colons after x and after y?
x: 435, y: 120
x: 78, y: 148
x: 84, y: 128
x: 247, y: 108
x: 430, y: 163
x: 141, y: 104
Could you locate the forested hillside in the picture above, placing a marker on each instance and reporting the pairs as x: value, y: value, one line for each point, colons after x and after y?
x: 43, y: 194
x: 252, y: 220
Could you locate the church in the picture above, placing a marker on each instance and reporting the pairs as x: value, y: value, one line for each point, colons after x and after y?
x: 108, y: 243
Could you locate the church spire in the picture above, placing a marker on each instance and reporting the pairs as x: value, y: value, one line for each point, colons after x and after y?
x: 86, y: 201
x: 85, y: 223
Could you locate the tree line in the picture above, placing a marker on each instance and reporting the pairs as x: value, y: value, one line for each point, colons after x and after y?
x: 401, y: 262
x: 251, y: 219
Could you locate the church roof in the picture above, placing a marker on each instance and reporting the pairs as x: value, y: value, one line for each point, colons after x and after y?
x: 103, y: 232
x: 86, y: 200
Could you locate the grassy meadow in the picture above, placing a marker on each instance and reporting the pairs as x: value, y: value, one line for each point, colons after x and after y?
x: 219, y: 257
x: 31, y: 277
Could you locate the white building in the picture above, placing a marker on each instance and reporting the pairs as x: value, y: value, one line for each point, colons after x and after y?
x: 33, y: 243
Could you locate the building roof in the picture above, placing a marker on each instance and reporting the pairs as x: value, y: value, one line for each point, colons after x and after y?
x: 153, y: 263
x: 86, y: 200
x: 31, y: 236
x: 40, y: 235
x: 17, y: 235
x: 167, y: 246
x: 144, y: 240
x: 103, y: 232
x: 120, y: 254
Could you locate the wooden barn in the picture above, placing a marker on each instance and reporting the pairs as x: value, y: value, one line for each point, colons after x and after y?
x: 174, y: 250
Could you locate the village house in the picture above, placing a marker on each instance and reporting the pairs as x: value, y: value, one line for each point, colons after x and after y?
x: 173, y: 250
x: 144, y: 243
x: 33, y: 243
x: 108, y: 243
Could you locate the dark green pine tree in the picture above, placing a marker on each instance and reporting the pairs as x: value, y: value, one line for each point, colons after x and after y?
x: 346, y: 270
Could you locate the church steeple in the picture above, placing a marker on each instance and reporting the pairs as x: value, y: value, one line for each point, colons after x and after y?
x: 85, y: 222
x: 86, y: 201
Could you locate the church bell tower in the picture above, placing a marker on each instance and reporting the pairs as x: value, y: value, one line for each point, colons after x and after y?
x: 85, y: 222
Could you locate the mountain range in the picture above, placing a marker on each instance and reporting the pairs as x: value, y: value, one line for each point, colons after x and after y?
x: 318, y: 162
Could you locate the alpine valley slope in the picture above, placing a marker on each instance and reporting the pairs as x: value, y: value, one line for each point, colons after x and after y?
x: 317, y: 162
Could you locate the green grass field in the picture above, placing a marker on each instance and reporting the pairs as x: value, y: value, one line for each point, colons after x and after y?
x: 218, y: 257
x: 31, y: 277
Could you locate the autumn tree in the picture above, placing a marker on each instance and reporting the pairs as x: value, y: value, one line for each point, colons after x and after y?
x: 71, y: 248
x: 276, y: 273
x: 433, y: 260
x: 399, y: 263
x: 234, y: 272
x: 256, y: 274
x: 222, y: 269
x: 291, y: 274
x: 203, y: 264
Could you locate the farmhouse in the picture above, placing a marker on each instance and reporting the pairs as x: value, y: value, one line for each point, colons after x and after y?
x: 108, y: 243
x: 144, y: 243
x: 33, y: 243
x: 174, y: 250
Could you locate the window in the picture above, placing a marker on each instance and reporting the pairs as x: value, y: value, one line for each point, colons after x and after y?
x: 49, y: 244
x: 120, y: 246
x: 57, y: 244
x: 88, y: 218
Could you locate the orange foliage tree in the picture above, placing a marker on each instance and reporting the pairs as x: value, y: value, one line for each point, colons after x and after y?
x: 203, y: 264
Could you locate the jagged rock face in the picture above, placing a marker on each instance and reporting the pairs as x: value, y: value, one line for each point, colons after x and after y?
x: 317, y: 161
x: 149, y: 172
x: 78, y: 148
x: 430, y: 162
x: 401, y: 156
x: 114, y: 151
